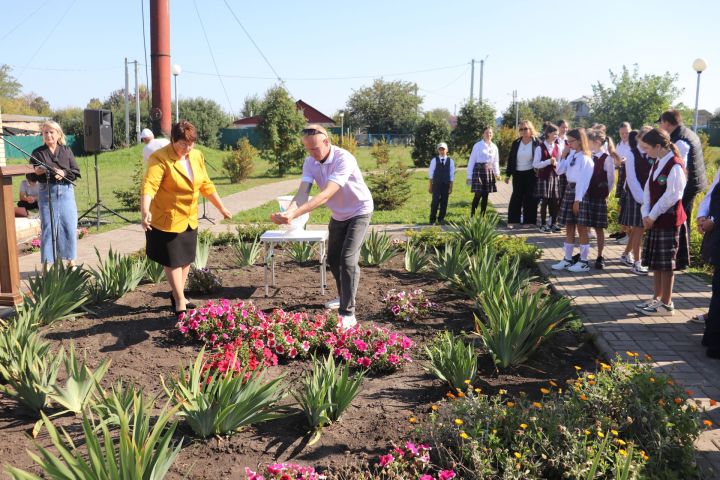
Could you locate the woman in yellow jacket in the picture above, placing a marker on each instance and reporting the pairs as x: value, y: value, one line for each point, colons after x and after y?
x: 174, y: 180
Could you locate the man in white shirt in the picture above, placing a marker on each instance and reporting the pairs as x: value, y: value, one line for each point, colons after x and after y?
x: 343, y: 190
x: 442, y: 176
x: 151, y: 143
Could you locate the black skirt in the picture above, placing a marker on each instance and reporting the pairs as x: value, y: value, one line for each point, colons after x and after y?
x: 171, y: 249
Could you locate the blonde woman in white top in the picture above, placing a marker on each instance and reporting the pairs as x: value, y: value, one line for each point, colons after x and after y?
x: 482, y: 170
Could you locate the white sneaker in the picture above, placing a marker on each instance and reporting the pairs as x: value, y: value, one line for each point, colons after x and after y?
x: 638, y: 269
x: 333, y: 304
x: 624, y: 240
x: 346, y: 322
x: 581, y: 266
x: 562, y: 264
x: 659, y: 310
x: 649, y: 303
x: 627, y: 259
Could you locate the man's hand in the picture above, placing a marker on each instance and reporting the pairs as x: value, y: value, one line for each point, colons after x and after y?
x: 282, y: 218
x: 450, y: 189
x: 699, y: 224
x: 507, y: 179
x: 708, y: 225
x: 430, y: 188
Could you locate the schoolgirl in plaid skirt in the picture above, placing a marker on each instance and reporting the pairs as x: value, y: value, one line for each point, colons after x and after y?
x: 482, y: 170
x: 663, y: 214
x: 562, y: 143
x: 546, y: 189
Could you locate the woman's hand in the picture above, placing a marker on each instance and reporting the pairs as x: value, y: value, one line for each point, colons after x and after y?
x: 708, y: 225
x: 145, y: 219
x: 225, y: 212
x: 553, y: 161
x: 648, y: 223
x: 576, y: 208
x: 507, y: 179
x: 39, y: 171
x: 59, y: 174
x: 699, y: 224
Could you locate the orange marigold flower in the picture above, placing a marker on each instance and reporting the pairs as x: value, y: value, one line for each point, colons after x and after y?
x: 537, y: 404
x: 632, y: 354
x: 620, y: 442
x: 510, y: 404
x: 644, y: 455
x: 583, y: 397
x: 461, y: 394
x: 648, y: 357
x: 605, y: 366
x: 690, y: 392
x: 450, y: 395
x: 713, y: 402
x: 677, y: 400
x: 544, y: 391
x: 652, y: 379
x: 591, y: 382
x: 552, y: 383
x: 523, y: 426
x: 707, y: 423
x: 459, y: 421
x: 661, y: 402
x: 670, y: 381
x: 412, y: 420
x: 464, y: 435
x: 434, y: 408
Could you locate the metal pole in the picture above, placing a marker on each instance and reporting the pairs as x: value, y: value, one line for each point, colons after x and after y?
x: 161, y: 114
x: 482, y: 66
x: 472, y: 80
x: 342, y: 127
x: 127, y: 107
x: 697, y: 98
x: 517, y: 108
x: 137, y: 102
x: 177, y: 108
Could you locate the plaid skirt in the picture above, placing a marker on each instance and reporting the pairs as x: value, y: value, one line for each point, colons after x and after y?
x: 562, y: 185
x: 661, y: 249
x: 566, y: 216
x: 620, y: 185
x: 593, y: 212
x: 483, y: 178
x: 630, y: 214
x: 547, y: 187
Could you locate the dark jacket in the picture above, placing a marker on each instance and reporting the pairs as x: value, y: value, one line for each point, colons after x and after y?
x: 714, y: 211
x: 63, y: 159
x: 696, y: 179
x: 512, y: 158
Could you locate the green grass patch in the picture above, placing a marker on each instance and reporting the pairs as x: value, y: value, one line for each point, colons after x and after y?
x: 415, y: 211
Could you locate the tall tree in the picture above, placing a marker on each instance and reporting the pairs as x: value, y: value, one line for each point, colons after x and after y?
x: 208, y: 118
x: 539, y: 110
x: 279, y: 128
x: 429, y: 132
x: 70, y: 119
x: 384, y: 107
x: 251, y: 106
x: 471, y: 122
x: 9, y: 86
x: 633, y: 98
x: 439, y: 113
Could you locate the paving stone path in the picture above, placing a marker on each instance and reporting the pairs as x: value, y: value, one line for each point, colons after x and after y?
x: 605, y: 299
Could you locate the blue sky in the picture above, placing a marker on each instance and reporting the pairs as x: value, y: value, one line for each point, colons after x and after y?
x: 69, y: 51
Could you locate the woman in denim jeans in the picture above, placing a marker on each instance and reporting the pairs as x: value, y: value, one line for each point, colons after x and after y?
x: 58, y: 192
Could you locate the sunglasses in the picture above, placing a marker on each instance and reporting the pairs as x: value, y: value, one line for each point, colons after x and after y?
x: 312, y: 131
x: 524, y: 129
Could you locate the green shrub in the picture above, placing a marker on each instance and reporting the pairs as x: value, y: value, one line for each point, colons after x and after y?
x: 56, y: 293
x: 623, y: 421
x: 428, y: 238
x: 215, y: 403
x: 450, y: 262
x: 518, y: 247
x: 248, y: 232
x: 203, y: 281
x: 485, y: 271
x: 81, y: 383
x: 428, y: 133
x: 347, y: 142
x: 504, y: 137
x: 15, y: 334
x: 238, y: 163
x: 452, y: 360
x: 416, y: 258
x: 377, y: 249
x: 115, y: 276
x: 518, y: 322
x: 129, y: 197
x: 300, y: 252
x: 202, y: 248
x: 246, y: 254
x: 327, y: 392
x: 476, y: 231
x: 225, y: 238
x: 143, y: 448
x: 390, y: 186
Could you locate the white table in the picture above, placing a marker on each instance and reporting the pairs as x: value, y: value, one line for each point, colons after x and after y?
x: 273, y: 237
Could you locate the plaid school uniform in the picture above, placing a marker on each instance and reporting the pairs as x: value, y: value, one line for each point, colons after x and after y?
x: 566, y: 215
x: 630, y: 213
x: 547, y: 177
x: 562, y: 179
x: 483, y: 178
x: 593, y: 208
x: 662, y: 248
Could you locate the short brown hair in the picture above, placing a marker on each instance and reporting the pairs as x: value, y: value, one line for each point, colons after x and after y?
x: 183, y: 130
x: 672, y: 117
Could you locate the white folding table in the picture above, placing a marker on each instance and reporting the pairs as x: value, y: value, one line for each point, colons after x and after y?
x: 273, y: 237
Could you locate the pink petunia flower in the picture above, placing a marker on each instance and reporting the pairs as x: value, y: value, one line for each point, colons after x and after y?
x: 386, y: 460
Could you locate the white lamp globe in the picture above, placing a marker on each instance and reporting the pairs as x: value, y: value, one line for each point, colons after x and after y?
x: 177, y: 70
x: 699, y: 65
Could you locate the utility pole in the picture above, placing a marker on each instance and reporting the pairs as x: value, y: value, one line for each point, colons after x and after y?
x: 127, y: 106
x: 417, y: 105
x: 137, y: 102
x: 161, y: 113
x: 482, y: 66
x: 472, y: 80
x: 517, y: 108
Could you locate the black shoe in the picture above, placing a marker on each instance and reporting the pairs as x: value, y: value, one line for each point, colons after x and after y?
x: 190, y: 305
x: 178, y: 313
x: 705, y: 342
x: 172, y: 302
x: 600, y: 263
x: 713, y: 352
x: 576, y: 258
x: 614, y: 235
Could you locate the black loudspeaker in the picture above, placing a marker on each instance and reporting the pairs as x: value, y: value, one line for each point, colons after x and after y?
x: 98, y: 130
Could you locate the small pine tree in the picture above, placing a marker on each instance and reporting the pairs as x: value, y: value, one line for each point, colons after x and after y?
x: 239, y: 162
x: 346, y: 142
x: 390, y: 185
x: 381, y: 152
x: 429, y: 132
x: 129, y: 197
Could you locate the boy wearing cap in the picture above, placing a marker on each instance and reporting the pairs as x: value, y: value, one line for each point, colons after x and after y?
x: 151, y: 143
x: 442, y: 175
x: 343, y: 190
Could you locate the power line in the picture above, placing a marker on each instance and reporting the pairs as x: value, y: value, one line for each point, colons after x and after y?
x: 24, y: 20
x: 217, y: 72
x: 47, y: 37
x: 147, y: 75
x: 435, y: 90
x: 277, y: 75
x: 54, y: 69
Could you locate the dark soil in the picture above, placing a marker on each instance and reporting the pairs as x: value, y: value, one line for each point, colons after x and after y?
x: 137, y: 333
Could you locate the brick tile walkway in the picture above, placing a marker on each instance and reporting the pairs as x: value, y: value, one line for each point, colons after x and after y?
x: 605, y: 300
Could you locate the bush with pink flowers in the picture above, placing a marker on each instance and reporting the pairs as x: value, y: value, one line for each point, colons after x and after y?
x: 413, y: 461
x: 373, y: 347
x: 407, y: 306
x: 284, y: 471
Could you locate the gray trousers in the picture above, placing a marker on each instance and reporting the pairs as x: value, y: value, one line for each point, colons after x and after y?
x: 344, y: 241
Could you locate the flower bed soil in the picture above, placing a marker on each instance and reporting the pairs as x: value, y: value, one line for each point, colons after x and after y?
x: 138, y: 333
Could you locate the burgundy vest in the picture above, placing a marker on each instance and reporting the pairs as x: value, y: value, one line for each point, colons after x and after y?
x: 545, y: 172
x: 643, y: 164
x: 599, y: 188
x: 675, y: 216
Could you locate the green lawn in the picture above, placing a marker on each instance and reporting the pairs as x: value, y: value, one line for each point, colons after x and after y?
x: 116, y: 170
x: 415, y: 211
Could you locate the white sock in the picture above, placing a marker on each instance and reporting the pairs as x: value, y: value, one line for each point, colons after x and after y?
x: 584, y: 252
x: 569, y: 250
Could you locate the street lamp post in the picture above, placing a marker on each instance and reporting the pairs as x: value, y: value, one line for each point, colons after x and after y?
x: 699, y: 65
x: 176, y: 70
x: 342, y: 125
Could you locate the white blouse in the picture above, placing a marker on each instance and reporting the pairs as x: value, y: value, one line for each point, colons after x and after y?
x: 537, y: 163
x: 676, y: 182
x: 484, y: 153
x: 524, y: 157
x: 578, y: 168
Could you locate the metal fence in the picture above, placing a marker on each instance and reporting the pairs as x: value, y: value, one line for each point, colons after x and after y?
x: 31, y: 142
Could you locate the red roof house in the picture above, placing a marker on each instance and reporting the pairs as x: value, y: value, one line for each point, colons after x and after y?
x: 312, y: 115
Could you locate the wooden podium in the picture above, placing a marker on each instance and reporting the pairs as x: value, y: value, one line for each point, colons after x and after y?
x: 9, y: 264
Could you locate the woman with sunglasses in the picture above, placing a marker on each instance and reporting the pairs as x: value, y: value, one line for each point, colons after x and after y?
x: 578, y: 167
x: 523, y: 204
x: 174, y: 180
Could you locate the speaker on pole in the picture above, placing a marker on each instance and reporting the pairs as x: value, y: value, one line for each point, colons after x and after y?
x: 98, y: 130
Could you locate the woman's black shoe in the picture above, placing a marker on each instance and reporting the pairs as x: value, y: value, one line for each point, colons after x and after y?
x: 172, y: 302
x: 190, y: 305
x: 179, y: 312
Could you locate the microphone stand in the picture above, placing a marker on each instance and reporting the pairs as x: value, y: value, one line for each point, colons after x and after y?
x: 204, y: 200
x: 48, y: 169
